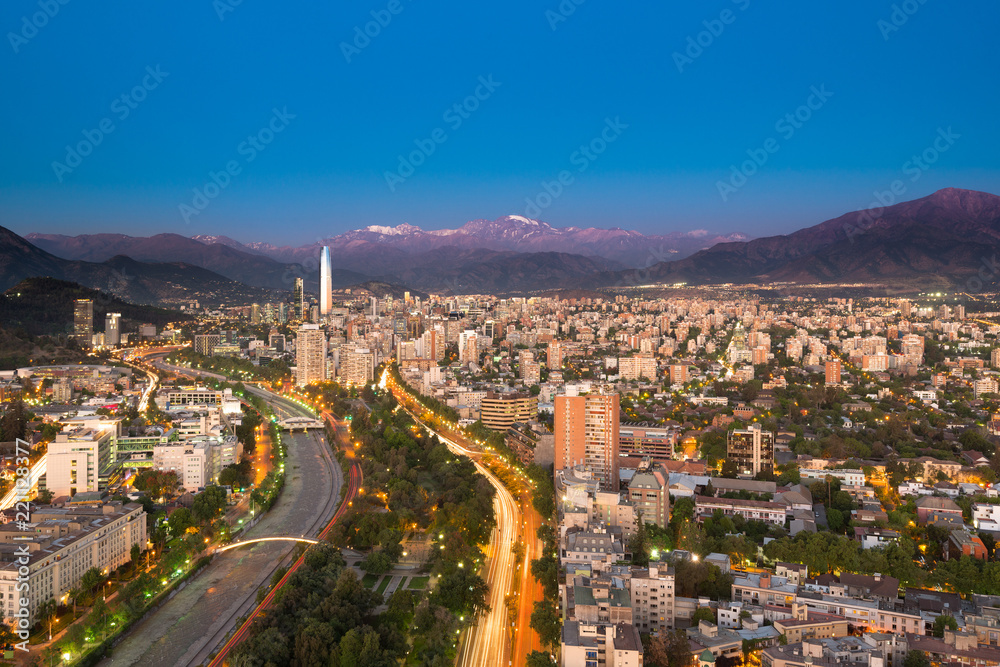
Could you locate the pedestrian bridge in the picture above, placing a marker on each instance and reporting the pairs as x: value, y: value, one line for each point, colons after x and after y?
x: 293, y: 423
x: 243, y: 543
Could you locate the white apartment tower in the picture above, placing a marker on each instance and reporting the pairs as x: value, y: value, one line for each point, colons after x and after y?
x: 310, y: 355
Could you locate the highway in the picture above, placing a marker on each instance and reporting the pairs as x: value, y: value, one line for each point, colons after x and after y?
x: 189, y: 627
x: 34, y: 473
x: 488, y: 643
x: 354, y: 483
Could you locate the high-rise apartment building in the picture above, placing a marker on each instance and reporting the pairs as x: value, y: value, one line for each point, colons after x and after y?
x: 310, y: 355
x: 325, y: 282
x: 752, y: 450
x: 833, y: 369
x: 586, y: 429
x: 112, y: 329
x: 467, y: 346
x: 357, y: 365
x: 554, y: 360
x: 83, y: 321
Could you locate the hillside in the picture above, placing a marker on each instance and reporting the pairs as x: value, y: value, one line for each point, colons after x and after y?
x: 44, y: 306
x: 940, y: 240
x: 124, y: 277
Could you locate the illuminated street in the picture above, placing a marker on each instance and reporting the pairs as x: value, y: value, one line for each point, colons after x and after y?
x: 488, y: 643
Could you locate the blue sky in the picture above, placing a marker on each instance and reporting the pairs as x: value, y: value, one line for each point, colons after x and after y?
x: 558, y: 78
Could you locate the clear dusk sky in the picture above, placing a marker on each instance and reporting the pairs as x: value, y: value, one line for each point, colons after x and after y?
x: 310, y: 115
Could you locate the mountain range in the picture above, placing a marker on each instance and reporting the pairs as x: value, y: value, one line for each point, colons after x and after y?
x: 354, y: 250
x: 512, y: 253
x: 122, y: 276
x: 942, y: 240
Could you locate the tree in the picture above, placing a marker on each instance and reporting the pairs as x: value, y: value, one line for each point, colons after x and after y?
x: 91, y: 581
x: 545, y: 620
x: 47, y: 613
x: 180, y: 520
x: 44, y: 497
x: 703, y: 614
x: 916, y: 659
x: 208, y: 504
x: 156, y: 483
x: 14, y: 422
x: 638, y: 544
x: 377, y: 562
x: 942, y: 623
x: 540, y: 659
x: 729, y: 469
x: 669, y: 649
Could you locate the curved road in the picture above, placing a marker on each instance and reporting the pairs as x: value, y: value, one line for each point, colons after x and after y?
x: 488, y: 643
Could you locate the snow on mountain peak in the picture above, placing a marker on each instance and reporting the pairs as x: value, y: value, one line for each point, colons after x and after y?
x: 398, y: 230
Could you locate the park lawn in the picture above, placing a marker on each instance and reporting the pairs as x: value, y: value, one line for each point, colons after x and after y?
x: 369, y: 580
x: 418, y: 582
x: 385, y: 584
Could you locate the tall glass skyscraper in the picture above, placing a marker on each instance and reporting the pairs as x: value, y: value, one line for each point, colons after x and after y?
x: 298, y: 301
x: 325, y: 283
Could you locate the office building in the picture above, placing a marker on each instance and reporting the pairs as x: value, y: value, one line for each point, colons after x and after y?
x: 83, y: 321
x: 62, y: 544
x: 112, y: 329
x: 325, y: 282
x: 205, y: 343
x: 62, y: 390
x: 299, y: 300
x: 501, y: 411
x: 467, y: 347
x: 77, y: 460
x: 310, y: 355
x: 197, y: 461
x: 586, y: 429
x: 649, y: 491
x: 752, y: 449
x: 640, y: 366
x: 642, y: 440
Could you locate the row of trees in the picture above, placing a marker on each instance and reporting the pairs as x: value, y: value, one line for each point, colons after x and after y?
x: 324, y: 616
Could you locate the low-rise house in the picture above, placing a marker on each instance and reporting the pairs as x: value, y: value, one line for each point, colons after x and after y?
x: 955, y: 648
x: 940, y: 506
x: 874, y: 538
x: 963, y: 543
x: 751, y: 510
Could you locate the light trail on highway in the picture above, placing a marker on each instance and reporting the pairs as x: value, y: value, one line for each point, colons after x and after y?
x: 353, y: 484
x: 488, y: 643
x: 15, y: 492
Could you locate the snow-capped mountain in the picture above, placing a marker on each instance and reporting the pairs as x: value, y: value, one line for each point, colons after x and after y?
x: 509, y: 233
